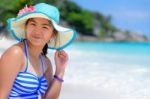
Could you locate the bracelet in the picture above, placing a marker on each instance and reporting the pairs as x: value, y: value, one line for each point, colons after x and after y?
x: 58, y: 78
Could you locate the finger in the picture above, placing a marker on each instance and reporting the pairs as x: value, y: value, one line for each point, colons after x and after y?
x: 56, y: 53
x: 62, y: 52
x: 62, y: 55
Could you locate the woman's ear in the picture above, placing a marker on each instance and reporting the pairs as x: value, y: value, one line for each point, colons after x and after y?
x: 54, y: 34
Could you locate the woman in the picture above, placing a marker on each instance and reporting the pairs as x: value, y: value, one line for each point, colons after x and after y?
x: 25, y: 70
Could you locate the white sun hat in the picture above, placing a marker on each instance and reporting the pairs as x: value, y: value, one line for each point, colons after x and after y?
x: 16, y: 26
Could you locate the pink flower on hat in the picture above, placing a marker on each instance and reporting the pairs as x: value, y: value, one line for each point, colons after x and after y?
x: 26, y: 9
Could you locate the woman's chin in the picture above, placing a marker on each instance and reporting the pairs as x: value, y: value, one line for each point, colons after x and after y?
x: 37, y: 42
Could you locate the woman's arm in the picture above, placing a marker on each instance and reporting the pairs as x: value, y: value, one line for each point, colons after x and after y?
x: 61, y: 58
x: 10, y: 64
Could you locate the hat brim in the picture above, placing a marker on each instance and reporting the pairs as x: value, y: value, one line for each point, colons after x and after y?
x: 65, y: 36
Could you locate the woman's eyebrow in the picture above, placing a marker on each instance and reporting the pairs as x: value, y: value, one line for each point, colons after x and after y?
x: 32, y: 20
x: 46, y: 24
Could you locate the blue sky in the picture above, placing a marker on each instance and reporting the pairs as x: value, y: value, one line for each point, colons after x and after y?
x: 133, y: 15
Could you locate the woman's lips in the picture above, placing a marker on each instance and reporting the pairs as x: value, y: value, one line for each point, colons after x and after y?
x: 36, y: 37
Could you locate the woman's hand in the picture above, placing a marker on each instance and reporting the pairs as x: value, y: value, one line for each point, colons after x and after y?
x: 61, y: 59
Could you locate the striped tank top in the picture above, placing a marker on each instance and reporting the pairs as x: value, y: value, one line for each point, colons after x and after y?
x: 28, y: 85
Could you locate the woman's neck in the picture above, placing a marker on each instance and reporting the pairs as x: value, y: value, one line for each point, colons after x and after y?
x: 34, y: 51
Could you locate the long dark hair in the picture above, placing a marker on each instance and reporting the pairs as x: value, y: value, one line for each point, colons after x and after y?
x: 44, y: 50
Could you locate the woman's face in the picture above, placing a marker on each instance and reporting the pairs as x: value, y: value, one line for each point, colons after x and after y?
x: 39, y: 31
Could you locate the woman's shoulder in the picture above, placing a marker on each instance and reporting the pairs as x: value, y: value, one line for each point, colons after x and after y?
x: 15, y: 50
x: 13, y: 57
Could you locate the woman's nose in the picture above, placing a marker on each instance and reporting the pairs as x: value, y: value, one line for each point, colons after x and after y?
x: 38, y: 30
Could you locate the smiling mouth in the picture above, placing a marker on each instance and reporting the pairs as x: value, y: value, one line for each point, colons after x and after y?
x: 36, y: 37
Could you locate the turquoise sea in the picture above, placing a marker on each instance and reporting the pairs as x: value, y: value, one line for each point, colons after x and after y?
x: 123, y: 52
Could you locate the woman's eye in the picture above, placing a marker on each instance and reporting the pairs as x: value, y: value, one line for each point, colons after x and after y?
x: 45, y: 27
